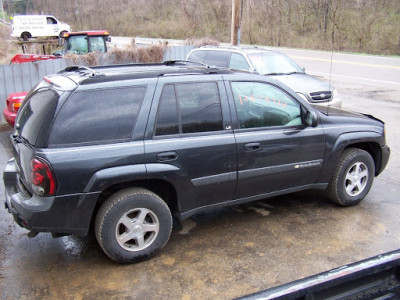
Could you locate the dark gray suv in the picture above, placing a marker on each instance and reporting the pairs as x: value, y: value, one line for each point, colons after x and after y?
x: 125, y: 148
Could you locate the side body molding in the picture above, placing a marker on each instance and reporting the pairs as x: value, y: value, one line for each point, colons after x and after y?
x: 155, y: 168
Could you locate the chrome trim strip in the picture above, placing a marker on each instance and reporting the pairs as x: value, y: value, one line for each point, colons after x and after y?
x: 244, y: 174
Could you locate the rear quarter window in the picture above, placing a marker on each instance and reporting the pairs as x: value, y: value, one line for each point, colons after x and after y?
x: 97, y: 116
x: 217, y: 58
x: 35, y: 116
x: 197, y: 56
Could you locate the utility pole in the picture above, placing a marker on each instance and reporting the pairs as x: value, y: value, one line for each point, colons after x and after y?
x: 2, y: 10
x: 235, y: 29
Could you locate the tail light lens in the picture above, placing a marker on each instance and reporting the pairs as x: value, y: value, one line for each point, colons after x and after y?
x: 15, y: 100
x: 43, y: 180
x: 16, y: 106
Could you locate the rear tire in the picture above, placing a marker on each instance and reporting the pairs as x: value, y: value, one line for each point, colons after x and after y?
x: 61, y: 35
x: 133, y: 225
x: 352, y: 178
x: 26, y: 36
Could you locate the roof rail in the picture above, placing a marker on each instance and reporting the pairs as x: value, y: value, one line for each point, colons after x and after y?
x: 233, y: 47
x: 185, y: 62
x: 93, y: 73
x: 136, y: 71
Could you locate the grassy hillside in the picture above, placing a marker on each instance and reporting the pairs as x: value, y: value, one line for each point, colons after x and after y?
x: 368, y: 26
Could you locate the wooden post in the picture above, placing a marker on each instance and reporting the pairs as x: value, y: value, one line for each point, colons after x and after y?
x: 235, y: 30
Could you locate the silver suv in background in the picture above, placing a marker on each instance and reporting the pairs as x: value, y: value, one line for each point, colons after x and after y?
x: 271, y: 63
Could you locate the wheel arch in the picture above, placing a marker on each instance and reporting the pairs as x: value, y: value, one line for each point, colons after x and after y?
x: 27, y: 33
x: 61, y: 33
x: 373, y: 149
x: 164, y: 189
x: 367, y: 141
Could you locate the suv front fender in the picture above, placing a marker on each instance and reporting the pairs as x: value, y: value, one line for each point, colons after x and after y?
x: 368, y: 141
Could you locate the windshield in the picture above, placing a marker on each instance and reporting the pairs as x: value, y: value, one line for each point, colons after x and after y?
x: 96, y: 43
x: 273, y: 64
x: 77, y: 44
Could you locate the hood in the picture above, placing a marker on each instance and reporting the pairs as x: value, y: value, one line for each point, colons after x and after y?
x: 336, y: 112
x: 303, y: 83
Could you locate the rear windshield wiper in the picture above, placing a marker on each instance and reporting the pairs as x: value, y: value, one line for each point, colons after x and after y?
x: 275, y: 74
x: 18, y: 139
x: 295, y: 72
x: 290, y: 73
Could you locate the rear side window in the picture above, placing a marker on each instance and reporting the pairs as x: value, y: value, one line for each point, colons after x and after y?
x: 189, y: 108
x: 36, y: 115
x: 99, y: 116
x: 197, y: 56
x: 168, y: 120
x: 217, y: 58
x: 238, y: 62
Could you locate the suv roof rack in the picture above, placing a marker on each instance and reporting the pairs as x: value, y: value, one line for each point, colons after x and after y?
x: 125, y: 68
x: 185, y: 62
x: 92, y: 72
x: 140, y: 70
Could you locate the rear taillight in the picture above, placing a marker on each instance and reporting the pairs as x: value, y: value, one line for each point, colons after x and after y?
x: 43, y: 180
x: 15, y: 100
x: 16, y: 106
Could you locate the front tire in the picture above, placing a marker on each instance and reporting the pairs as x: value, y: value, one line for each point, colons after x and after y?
x: 133, y: 225
x: 352, y: 178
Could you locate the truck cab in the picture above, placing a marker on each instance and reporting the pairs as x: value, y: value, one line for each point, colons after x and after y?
x: 83, y: 42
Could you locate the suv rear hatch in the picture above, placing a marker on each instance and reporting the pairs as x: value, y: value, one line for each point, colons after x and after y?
x: 32, y: 127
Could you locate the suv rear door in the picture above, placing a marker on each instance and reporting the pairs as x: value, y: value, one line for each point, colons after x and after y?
x: 276, y: 150
x: 191, y: 140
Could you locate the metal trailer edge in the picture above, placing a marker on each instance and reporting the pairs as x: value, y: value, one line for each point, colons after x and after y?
x: 376, y: 277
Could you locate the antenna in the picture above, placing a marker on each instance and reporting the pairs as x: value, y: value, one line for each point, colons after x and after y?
x: 330, y: 78
x: 330, y: 68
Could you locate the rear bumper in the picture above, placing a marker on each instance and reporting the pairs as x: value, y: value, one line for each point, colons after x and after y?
x: 9, y: 116
x: 68, y: 214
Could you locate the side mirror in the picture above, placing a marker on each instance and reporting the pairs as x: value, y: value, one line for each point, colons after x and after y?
x: 108, y: 39
x: 311, y: 118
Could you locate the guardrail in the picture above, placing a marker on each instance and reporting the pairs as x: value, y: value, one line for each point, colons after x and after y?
x: 5, y: 23
x: 22, y: 77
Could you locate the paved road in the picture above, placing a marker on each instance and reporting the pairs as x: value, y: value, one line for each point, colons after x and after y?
x: 374, y: 71
x: 232, y: 251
